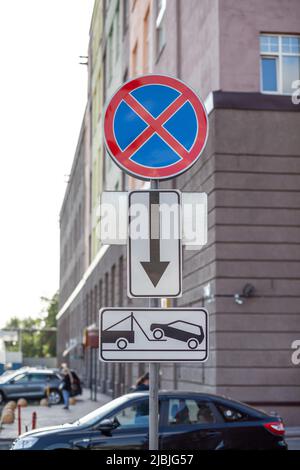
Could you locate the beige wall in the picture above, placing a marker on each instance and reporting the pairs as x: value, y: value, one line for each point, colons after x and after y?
x: 138, y: 65
x: 139, y: 9
x: 191, y: 52
x: 241, y: 22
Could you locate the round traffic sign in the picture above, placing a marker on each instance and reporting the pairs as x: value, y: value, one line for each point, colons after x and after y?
x: 155, y: 127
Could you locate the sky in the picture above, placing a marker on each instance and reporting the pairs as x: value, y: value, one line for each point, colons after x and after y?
x: 43, y: 93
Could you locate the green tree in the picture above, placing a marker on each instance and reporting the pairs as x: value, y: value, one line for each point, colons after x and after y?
x: 37, y: 342
x: 49, y: 320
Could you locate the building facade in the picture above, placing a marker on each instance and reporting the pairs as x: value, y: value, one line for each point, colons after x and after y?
x: 243, y: 60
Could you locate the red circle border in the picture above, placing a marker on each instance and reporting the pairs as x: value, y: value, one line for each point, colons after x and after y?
x: 130, y: 166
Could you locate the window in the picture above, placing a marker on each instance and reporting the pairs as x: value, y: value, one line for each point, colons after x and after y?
x: 96, y: 305
x: 37, y: 377
x: 183, y: 411
x: 20, y: 379
x: 113, y: 280
x: 100, y: 293
x: 109, y: 58
x: 117, y: 33
x: 230, y: 414
x: 136, y: 415
x: 160, y: 25
x: 134, y: 60
x: 121, y: 286
x: 280, y: 63
x: 125, y: 15
x: 90, y: 249
x: 106, y: 289
x: 146, y: 42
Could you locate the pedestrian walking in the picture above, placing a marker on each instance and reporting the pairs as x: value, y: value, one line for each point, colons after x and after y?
x: 66, y: 387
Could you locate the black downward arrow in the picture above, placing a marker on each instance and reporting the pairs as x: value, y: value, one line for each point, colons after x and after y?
x: 154, y: 268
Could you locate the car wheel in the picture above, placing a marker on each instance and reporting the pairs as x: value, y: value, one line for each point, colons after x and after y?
x: 193, y: 343
x: 2, y: 398
x: 54, y: 397
x: 158, y: 333
x: 122, y: 343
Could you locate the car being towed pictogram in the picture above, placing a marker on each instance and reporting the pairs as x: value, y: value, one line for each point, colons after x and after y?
x: 189, y: 333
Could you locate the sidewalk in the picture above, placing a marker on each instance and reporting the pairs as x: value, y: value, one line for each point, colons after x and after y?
x: 51, y: 416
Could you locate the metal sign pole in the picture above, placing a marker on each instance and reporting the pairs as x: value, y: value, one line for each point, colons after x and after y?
x: 153, y: 382
x: 153, y: 397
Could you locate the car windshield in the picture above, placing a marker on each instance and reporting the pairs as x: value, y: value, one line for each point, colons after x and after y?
x: 100, y: 413
x: 6, y: 377
x: 185, y: 326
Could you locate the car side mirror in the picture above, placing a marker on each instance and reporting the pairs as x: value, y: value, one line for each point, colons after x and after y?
x: 107, y: 425
x: 12, y: 381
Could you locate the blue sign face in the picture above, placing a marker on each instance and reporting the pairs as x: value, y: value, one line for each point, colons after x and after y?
x: 155, y: 127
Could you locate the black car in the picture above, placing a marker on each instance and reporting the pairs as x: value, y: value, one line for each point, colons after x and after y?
x: 189, y: 333
x: 188, y: 420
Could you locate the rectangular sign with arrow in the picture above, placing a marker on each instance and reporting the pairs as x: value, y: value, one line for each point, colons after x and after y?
x: 154, y: 244
x: 154, y: 334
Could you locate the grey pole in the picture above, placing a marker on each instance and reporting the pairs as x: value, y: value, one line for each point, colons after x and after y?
x: 153, y: 382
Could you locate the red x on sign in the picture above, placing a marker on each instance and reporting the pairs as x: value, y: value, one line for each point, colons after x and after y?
x: 155, y: 127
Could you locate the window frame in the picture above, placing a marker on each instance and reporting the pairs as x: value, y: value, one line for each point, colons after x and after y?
x: 160, y: 13
x: 175, y: 427
x: 37, y: 377
x: 279, y: 55
x: 245, y: 416
x: 159, y: 25
x: 16, y: 380
x: 146, y: 42
x: 122, y: 430
x: 133, y: 426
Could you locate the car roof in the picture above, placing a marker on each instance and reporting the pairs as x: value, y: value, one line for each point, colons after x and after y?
x: 207, y: 396
x: 180, y: 392
x: 36, y: 370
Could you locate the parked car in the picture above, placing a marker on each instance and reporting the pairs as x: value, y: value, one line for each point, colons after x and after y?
x: 30, y: 383
x: 188, y: 420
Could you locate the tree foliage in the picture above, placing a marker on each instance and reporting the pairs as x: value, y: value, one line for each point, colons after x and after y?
x: 37, y: 343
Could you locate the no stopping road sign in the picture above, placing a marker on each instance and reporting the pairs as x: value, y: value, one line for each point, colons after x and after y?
x: 155, y: 127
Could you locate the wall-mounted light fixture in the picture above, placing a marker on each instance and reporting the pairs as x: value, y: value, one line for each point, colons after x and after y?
x: 208, y: 296
x: 248, y: 291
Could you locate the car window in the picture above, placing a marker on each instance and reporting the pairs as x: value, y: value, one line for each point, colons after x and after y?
x: 185, y: 326
x: 135, y: 415
x: 95, y: 416
x: 37, y: 377
x: 183, y: 411
x: 22, y: 378
x: 230, y: 414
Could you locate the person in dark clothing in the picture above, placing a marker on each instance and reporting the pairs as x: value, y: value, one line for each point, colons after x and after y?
x: 142, y: 410
x: 142, y: 383
x: 66, y: 388
x: 183, y: 415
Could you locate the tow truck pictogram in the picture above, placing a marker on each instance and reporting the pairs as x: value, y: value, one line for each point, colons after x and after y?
x: 124, y: 337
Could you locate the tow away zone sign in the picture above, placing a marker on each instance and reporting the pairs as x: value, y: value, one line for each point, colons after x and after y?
x: 154, y: 334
